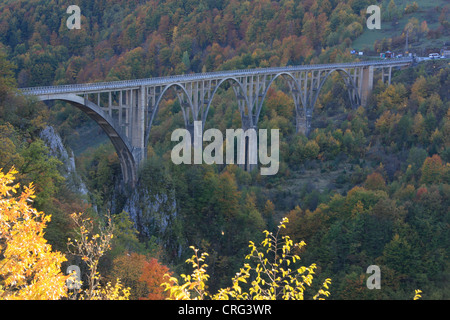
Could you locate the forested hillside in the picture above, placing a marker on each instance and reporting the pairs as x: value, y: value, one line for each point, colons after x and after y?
x: 368, y: 186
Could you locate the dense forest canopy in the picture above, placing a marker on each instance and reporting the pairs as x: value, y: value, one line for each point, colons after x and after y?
x: 368, y: 186
x: 138, y: 39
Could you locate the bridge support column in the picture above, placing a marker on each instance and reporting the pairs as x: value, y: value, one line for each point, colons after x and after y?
x: 366, y: 84
x: 389, y: 76
x: 137, y: 103
x: 196, y: 132
x: 386, y: 74
x: 251, y: 143
x: 301, y: 125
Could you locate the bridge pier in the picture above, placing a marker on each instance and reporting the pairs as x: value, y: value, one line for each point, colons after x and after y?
x: 366, y: 84
x: 386, y: 74
x: 303, y: 123
x: 196, y: 132
x: 250, y: 132
x: 137, y: 105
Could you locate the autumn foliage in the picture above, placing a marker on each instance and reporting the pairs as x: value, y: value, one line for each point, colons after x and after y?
x: 367, y: 185
x: 153, y: 275
x: 272, y: 272
x: 432, y: 170
x: 29, y: 269
x: 141, y: 273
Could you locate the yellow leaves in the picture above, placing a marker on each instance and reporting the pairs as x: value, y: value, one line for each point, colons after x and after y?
x: 273, y: 277
x: 194, y: 283
x: 386, y: 121
x: 283, y: 222
x: 6, y: 180
x: 91, y: 247
x: 28, y: 267
x: 326, y: 283
x: 110, y: 292
x: 417, y: 295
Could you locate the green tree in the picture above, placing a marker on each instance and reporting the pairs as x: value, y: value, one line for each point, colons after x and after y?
x: 432, y: 170
x: 398, y: 255
x: 125, y: 235
x: 9, y: 153
x: 41, y: 168
x: 7, y: 79
x: 186, y: 61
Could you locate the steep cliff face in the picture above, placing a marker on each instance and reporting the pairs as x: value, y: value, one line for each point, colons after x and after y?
x: 151, y: 212
x: 153, y: 206
x: 154, y: 213
x: 57, y: 149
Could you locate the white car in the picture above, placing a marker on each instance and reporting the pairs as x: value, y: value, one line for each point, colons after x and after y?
x: 434, y: 55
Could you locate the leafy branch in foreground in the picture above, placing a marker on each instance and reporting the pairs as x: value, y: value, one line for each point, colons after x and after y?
x: 194, y: 287
x: 29, y: 268
x: 274, y: 277
x: 91, y: 247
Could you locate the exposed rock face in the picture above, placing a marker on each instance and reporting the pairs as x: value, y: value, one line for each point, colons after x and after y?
x: 57, y: 149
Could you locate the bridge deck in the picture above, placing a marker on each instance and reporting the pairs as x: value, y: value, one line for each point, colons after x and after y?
x: 129, y: 84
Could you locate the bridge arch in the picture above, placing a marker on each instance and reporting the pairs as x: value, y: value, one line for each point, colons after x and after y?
x: 300, y: 106
x: 352, y: 88
x: 124, y: 150
x: 235, y: 81
x: 188, y: 96
x: 158, y: 102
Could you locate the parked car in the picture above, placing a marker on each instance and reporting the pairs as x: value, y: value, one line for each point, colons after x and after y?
x: 434, y: 55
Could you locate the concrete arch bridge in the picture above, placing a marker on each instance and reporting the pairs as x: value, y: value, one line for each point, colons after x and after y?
x: 131, y: 106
